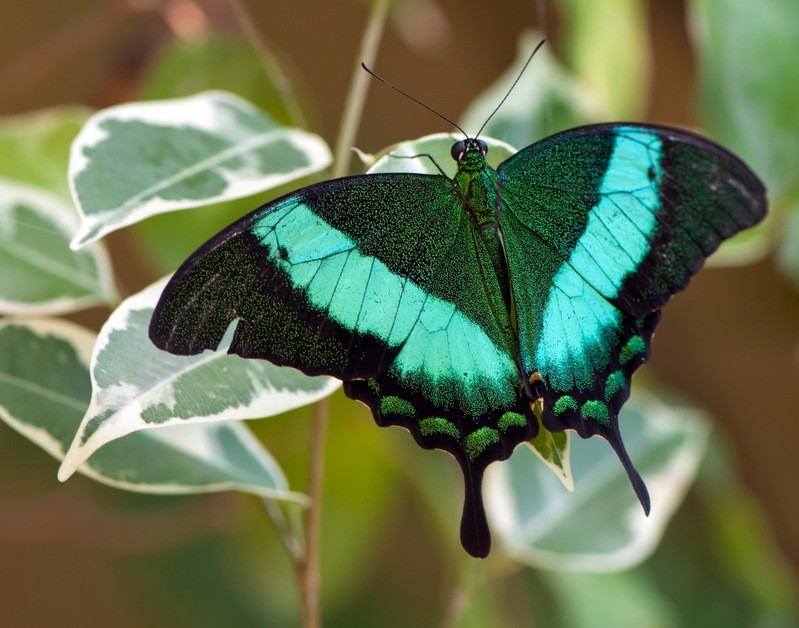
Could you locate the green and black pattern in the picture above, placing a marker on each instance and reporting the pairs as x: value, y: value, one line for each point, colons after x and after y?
x: 451, y: 307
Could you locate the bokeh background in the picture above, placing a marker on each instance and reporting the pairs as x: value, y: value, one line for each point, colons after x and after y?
x: 84, y: 553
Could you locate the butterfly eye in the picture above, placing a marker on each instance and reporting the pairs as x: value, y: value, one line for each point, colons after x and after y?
x: 458, y: 149
x: 482, y: 147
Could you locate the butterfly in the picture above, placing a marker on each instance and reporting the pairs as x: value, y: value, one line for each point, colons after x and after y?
x: 464, y: 309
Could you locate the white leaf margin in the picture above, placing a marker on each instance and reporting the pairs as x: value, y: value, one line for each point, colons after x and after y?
x: 57, y: 211
x: 667, y: 488
x: 564, y: 472
x: 198, y: 439
x: 195, y: 438
x: 129, y: 403
x: 201, y: 112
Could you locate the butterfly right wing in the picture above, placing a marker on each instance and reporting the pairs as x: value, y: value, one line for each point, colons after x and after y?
x: 603, y: 224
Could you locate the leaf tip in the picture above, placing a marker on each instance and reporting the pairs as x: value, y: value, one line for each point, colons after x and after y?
x: 65, y: 471
x: 80, y: 240
x: 72, y: 460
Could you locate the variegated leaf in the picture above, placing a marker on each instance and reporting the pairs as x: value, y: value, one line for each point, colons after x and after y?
x: 45, y: 388
x: 136, y: 386
x: 139, y: 159
x: 600, y: 526
x: 41, y: 274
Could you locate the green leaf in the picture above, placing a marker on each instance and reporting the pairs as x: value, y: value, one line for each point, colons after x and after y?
x: 45, y: 387
x: 41, y: 274
x: 34, y: 147
x: 139, y: 159
x: 601, y: 526
x: 44, y: 379
x: 547, y: 99
x: 627, y: 599
x: 136, y: 386
x: 552, y: 448
x: 422, y: 155
x: 749, y: 101
x: 188, y: 66
x: 607, y: 47
x: 751, y: 107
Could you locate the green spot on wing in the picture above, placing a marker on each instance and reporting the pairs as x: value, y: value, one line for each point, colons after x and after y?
x: 478, y: 441
x: 596, y: 410
x: 634, y: 346
x: 511, y: 419
x: 437, y: 425
x: 565, y: 403
x: 614, y: 384
x: 395, y: 405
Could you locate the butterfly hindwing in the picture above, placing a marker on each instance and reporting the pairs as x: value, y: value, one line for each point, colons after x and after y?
x: 602, y: 225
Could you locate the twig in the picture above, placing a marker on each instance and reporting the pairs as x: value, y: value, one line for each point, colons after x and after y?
x: 356, y: 98
x: 308, y: 567
x: 271, y: 66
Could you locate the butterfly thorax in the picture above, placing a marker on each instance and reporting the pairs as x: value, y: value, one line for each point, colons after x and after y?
x: 476, y: 183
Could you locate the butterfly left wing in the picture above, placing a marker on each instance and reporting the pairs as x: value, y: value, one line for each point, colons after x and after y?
x: 382, y: 281
x: 602, y: 225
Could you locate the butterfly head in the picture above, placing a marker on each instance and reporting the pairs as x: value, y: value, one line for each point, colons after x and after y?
x: 469, y: 153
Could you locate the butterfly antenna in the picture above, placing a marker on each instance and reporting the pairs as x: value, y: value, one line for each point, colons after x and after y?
x: 505, y: 97
x: 416, y: 100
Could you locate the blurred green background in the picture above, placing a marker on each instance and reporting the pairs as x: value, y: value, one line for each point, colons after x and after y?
x: 84, y: 553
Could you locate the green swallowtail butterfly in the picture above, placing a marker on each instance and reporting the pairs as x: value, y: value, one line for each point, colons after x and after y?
x: 460, y: 308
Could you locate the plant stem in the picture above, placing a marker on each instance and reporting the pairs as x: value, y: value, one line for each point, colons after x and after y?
x: 359, y: 86
x: 271, y: 66
x: 308, y: 566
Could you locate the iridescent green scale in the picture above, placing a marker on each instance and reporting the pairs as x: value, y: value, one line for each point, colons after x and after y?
x: 454, y: 307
